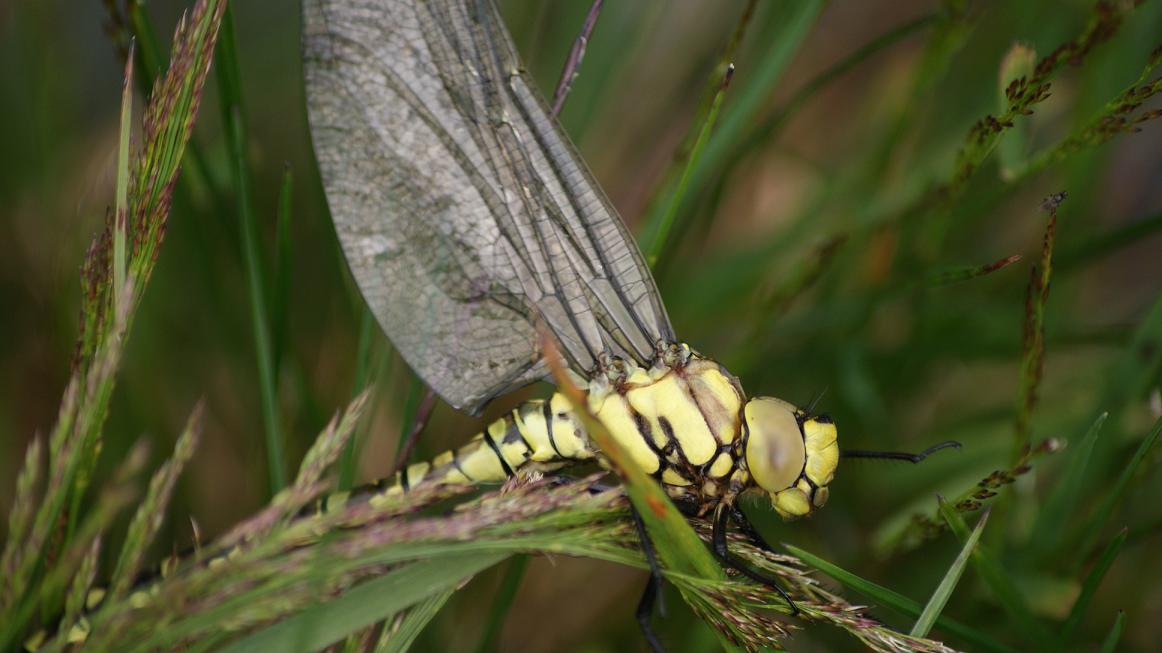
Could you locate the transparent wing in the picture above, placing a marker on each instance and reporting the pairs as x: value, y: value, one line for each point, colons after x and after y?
x: 465, y: 213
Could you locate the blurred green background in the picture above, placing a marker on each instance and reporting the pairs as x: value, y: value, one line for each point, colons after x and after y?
x: 804, y: 263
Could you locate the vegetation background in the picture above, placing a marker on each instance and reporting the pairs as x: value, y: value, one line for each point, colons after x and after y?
x: 830, y: 238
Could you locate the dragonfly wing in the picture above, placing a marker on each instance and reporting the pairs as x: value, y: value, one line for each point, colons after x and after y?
x: 465, y: 213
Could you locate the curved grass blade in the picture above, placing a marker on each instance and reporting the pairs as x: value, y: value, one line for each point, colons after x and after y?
x: 404, y: 633
x: 1089, y: 587
x: 661, y: 235
x: 230, y: 89
x: 1055, y: 510
x: 897, y: 601
x: 787, y: 34
x: 999, y: 582
x: 948, y: 584
x: 1110, y: 645
x: 503, y: 602
x: 1107, y: 507
x: 366, y: 604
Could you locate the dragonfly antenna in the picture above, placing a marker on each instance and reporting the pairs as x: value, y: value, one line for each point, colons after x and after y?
x: 900, y: 455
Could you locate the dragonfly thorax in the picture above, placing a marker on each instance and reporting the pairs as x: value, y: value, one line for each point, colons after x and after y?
x: 686, y: 421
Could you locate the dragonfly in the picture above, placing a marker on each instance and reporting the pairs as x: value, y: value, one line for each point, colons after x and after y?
x: 470, y: 224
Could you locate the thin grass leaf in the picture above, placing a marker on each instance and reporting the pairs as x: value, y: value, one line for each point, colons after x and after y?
x: 1056, y: 509
x: 896, y: 601
x: 365, y: 604
x: 654, y: 249
x: 150, y: 513
x: 1089, y: 588
x: 513, y: 574
x: 947, y: 585
x: 1000, y: 583
x: 950, y: 275
x: 404, y: 632
x: 230, y: 92
x: 283, y: 263
x: 1110, y: 643
x: 362, y: 365
x: 789, y: 26
x: 1094, y: 525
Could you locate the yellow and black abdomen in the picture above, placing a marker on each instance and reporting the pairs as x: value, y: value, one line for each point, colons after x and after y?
x: 539, y: 435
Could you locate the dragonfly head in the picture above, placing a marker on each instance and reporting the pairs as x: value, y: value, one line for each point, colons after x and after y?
x: 789, y: 454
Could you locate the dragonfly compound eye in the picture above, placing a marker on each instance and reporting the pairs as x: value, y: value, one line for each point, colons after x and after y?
x: 790, y: 455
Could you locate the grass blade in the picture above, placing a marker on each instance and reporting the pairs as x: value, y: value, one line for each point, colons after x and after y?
x: 1110, y: 645
x: 944, y: 590
x: 503, y: 602
x: 786, y: 35
x: 1107, y: 507
x: 896, y: 601
x: 1056, y: 508
x: 1089, y: 587
x: 404, y: 632
x: 999, y: 582
x: 666, y: 222
x: 283, y: 264
x: 365, y: 604
x: 230, y: 88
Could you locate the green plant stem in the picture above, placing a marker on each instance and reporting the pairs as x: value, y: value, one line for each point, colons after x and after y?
x: 230, y: 88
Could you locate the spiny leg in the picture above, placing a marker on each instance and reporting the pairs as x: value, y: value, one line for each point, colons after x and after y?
x: 408, y: 446
x: 653, y: 591
x: 721, y: 524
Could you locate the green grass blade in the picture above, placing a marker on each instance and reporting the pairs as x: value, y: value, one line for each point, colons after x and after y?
x: 655, y: 248
x: 283, y: 264
x: 503, y: 602
x: 230, y: 88
x: 349, y: 461
x: 1110, y: 645
x: 999, y: 582
x: 1089, y: 587
x: 1063, y: 501
x: 1107, y: 507
x: 947, y: 584
x: 790, y: 25
x: 896, y: 601
x: 412, y: 624
x: 365, y: 604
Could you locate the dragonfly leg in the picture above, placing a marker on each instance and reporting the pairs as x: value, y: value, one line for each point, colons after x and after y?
x: 721, y: 523
x: 653, y: 592
x: 423, y: 412
x: 900, y: 455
